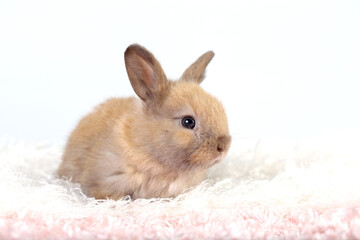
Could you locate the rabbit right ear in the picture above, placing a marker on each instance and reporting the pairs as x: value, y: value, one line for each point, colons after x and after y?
x: 196, y: 72
x: 145, y: 73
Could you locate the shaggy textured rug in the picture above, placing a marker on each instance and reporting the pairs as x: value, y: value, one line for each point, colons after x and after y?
x: 263, y: 190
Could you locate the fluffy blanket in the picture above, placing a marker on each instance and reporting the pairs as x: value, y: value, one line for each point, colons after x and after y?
x: 263, y: 190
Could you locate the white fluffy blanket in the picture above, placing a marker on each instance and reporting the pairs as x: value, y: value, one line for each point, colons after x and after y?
x: 263, y: 190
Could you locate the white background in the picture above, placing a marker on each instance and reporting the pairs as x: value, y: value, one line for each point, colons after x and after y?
x: 283, y: 69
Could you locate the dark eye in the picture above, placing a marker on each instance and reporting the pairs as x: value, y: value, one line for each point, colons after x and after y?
x: 188, y: 122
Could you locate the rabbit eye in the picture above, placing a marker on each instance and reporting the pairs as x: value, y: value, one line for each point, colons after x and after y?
x: 188, y: 122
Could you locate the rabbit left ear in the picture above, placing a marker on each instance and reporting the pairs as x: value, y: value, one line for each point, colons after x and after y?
x: 196, y: 72
x: 145, y: 73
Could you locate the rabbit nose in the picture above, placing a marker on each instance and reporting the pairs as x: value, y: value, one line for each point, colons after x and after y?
x: 219, y: 148
x: 223, y: 143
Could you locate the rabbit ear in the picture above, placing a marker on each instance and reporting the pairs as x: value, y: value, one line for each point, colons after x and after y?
x: 145, y: 73
x: 196, y: 72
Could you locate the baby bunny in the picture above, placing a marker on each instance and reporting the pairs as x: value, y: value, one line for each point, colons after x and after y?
x: 156, y: 145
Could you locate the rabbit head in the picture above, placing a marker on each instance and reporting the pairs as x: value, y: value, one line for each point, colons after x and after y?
x: 181, y: 125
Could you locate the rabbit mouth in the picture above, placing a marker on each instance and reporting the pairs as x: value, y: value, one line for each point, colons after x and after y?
x: 218, y: 159
x: 197, y: 158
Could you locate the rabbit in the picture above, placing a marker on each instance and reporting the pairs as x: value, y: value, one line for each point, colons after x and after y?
x: 155, y: 145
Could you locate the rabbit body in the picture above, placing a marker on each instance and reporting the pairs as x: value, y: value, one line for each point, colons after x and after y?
x: 157, y: 145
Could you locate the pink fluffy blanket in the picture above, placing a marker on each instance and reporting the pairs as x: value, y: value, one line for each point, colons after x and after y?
x: 261, y: 191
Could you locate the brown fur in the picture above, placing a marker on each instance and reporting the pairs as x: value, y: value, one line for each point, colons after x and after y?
x: 138, y: 147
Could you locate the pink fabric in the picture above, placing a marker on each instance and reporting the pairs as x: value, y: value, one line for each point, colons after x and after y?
x: 237, y: 223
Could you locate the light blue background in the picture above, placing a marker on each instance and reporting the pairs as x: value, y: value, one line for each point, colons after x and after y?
x: 283, y: 69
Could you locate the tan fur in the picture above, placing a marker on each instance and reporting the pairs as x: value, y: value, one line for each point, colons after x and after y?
x: 137, y: 146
